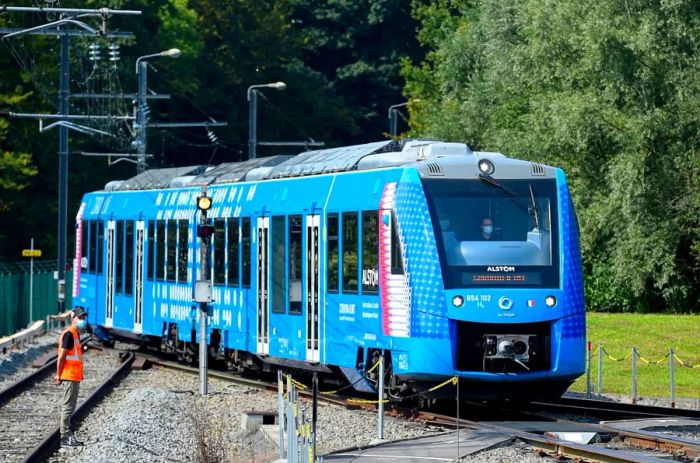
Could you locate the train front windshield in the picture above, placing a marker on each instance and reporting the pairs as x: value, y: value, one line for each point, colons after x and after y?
x: 496, y: 232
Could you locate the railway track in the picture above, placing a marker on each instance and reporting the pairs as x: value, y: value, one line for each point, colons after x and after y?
x: 29, y: 409
x: 681, y: 449
x: 603, y: 410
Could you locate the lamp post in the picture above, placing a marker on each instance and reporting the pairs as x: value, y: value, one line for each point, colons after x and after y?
x: 252, y: 95
x: 393, y: 118
x: 141, y: 116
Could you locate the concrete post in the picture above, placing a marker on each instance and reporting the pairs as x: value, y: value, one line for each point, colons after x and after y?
x: 672, y: 365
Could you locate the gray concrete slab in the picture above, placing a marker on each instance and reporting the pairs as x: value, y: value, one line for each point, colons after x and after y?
x: 539, y: 427
x: 444, y: 447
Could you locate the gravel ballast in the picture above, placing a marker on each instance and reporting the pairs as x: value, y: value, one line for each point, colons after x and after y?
x: 16, y: 363
x: 157, y: 415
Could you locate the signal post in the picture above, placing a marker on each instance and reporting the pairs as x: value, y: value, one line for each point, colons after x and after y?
x: 202, y: 292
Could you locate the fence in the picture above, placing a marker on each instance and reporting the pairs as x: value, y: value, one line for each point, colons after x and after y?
x: 671, y: 359
x: 14, y: 293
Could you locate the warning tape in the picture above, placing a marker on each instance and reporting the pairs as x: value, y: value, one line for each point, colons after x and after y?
x: 614, y: 358
x: 452, y: 380
x: 685, y: 364
x: 302, y: 386
x: 650, y: 362
x: 656, y: 362
x: 365, y: 401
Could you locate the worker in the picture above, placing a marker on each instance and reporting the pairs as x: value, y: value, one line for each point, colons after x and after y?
x: 69, y: 372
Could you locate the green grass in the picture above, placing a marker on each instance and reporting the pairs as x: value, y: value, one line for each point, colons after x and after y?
x: 653, y: 336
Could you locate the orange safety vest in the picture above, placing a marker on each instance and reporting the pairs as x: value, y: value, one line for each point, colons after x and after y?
x: 73, y: 368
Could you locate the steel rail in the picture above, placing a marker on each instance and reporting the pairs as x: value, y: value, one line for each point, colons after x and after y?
x: 15, y: 389
x: 39, y: 453
x: 592, y: 405
x: 552, y: 445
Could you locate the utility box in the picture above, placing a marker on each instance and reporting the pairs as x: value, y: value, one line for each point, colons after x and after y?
x: 202, y: 291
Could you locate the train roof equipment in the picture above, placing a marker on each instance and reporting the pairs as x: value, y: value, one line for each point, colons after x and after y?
x: 377, y: 155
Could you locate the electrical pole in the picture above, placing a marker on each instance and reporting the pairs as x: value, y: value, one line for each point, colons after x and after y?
x: 64, y: 28
x: 63, y: 173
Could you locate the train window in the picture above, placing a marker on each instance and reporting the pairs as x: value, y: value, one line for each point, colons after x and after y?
x: 119, y: 258
x: 350, y: 252
x: 100, y: 241
x: 92, y: 248
x: 509, y: 237
x: 245, y: 241
x: 332, y: 263
x: 219, y: 251
x: 183, y: 241
x: 129, y: 258
x: 84, y: 240
x: 278, y: 264
x: 396, y: 257
x: 233, y: 252
x: 160, y: 250
x: 370, y: 252
x: 151, y: 249
x: 295, y: 244
x: 87, y: 261
x: 171, y: 246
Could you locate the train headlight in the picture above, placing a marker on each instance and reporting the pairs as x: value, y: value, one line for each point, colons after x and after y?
x: 458, y: 301
x: 486, y: 167
x: 550, y: 301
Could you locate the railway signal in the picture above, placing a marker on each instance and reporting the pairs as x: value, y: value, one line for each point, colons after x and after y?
x: 202, y: 293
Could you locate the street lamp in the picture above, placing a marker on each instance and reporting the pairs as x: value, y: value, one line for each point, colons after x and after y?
x: 393, y: 118
x: 141, y: 117
x: 253, y: 114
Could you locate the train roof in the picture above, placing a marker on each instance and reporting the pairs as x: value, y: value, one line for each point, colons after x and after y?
x: 388, y: 153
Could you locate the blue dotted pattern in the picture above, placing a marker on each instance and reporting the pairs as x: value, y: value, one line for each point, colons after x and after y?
x: 574, y: 312
x: 428, y: 311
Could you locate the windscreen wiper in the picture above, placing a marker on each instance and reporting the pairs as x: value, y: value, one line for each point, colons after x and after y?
x: 492, y: 181
x: 533, y: 208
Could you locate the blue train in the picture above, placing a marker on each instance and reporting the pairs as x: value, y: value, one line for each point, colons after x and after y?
x: 451, y: 262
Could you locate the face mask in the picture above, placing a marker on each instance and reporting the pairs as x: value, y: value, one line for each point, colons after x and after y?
x: 488, y: 229
x: 81, y: 324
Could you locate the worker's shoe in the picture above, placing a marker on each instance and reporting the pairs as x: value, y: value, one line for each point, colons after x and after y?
x: 69, y: 440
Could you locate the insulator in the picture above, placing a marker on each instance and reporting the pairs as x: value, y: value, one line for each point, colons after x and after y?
x: 94, y: 53
x: 212, y: 136
x: 114, y: 54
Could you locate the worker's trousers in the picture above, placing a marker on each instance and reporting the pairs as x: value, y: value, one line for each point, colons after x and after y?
x: 70, y: 399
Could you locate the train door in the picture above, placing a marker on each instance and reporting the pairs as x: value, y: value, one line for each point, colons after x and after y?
x: 138, y: 280
x: 312, y: 298
x: 109, y: 274
x: 263, y: 340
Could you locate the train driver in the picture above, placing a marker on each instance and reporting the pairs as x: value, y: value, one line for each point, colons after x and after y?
x: 486, y: 228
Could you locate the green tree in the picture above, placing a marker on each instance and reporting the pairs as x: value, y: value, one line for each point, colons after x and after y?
x: 606, y: 90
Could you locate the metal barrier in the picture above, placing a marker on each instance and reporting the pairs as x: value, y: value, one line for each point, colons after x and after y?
x: 635, y: 359
x: 22, y: 338
x: 15, y: 294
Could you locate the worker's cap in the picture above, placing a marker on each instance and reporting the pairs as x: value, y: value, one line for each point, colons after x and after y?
x: 79, y: 311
